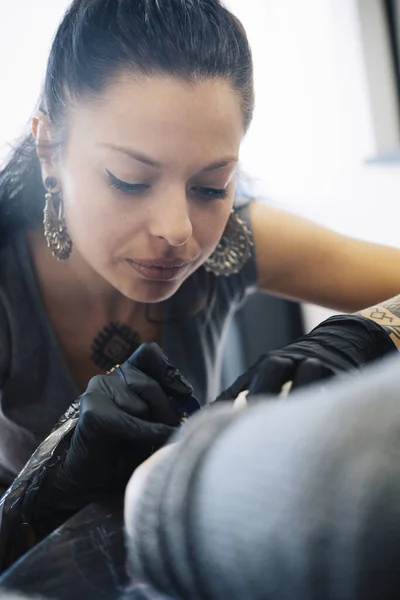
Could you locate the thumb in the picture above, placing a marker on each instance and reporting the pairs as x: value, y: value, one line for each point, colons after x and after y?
x: 150, y: 359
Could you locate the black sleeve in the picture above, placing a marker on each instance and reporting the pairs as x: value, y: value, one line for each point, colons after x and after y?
x: 5, y: 346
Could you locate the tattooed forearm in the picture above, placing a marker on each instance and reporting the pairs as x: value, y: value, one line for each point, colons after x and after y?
x: 387, y: 315
x: 393, y: 305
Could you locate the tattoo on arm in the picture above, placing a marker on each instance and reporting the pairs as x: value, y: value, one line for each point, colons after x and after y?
x: 387, y: 315
x: 393, y: 305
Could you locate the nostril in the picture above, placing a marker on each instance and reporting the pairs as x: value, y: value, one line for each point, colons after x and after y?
x: 172, y: 223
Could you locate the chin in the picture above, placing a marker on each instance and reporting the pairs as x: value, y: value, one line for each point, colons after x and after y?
x: 152, y: 292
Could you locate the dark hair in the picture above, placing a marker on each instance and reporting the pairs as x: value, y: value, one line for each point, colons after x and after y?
x: 96, y: 41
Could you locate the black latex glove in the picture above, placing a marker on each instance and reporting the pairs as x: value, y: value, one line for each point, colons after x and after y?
x: 337, y: 345
x: 124, y: 417
x: 118, y: 422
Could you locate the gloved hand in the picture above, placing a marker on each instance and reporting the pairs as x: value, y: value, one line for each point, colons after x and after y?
x: 120, y: 420
x: 339, y: 344
x: 124, y: 417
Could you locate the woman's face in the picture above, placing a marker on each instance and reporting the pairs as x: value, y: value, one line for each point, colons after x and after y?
x: 148, y: 178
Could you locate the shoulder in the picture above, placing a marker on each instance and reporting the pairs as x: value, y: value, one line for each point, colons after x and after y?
x: 5, y: 336
x: 15, y: 304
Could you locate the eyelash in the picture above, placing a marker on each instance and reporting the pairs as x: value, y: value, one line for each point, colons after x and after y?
x: 211, y: 193
x: 124, y: 187
x: 139, y: 188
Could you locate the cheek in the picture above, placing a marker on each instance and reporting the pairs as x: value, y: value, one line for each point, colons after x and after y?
x: 209, y: 224
x: 97, y: 221
x: 102, y: 225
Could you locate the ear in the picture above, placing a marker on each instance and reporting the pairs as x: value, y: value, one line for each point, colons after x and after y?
x: 42, y: 132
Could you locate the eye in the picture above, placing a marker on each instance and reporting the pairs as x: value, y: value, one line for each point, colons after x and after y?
x: 124, y: 186
x: 211, y: 193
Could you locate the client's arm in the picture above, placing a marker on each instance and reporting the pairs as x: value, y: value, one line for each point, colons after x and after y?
x: 387, y: 315
x: 296, y: 500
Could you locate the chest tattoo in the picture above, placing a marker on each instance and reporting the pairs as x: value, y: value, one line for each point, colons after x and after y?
x: 113, y: 345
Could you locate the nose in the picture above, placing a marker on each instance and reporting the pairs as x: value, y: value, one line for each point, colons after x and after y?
x: 170, y: 219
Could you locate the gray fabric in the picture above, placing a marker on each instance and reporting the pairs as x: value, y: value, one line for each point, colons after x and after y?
x: 36, y: 386
x: 296, y: 499
x: 162, y: 517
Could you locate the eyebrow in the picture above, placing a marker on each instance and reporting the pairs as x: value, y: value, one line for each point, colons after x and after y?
x: 139, y: 156
x: 219, y: 164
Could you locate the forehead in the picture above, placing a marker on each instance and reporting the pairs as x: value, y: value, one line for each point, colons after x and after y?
x: 162, y: 114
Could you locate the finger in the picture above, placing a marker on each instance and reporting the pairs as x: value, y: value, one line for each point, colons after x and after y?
x: 150, y: 359
x: 310, y: 371
x: 105, y: 389
x: 131, y: 387
x: 275, y: 372
x: 138, y: 431
x: 241, y: 401
x: 285, y: 391
x: 120, y: 426
x: 143, y: 398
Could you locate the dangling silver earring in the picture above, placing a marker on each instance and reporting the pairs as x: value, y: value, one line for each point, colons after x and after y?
x: 233, y: 250
x: 55, y: 227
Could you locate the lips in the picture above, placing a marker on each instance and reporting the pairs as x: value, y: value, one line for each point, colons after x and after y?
x: 162, y: 263
x: 160, y: 269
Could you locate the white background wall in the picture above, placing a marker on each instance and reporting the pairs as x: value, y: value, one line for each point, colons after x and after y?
x: 313, y: 127
x: 312, y: 130
x: 26, y: 30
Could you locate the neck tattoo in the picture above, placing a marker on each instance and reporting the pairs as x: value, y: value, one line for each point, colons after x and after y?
x: 113, y: 345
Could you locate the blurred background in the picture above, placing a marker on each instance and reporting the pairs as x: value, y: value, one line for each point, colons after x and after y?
x: 325, y: 141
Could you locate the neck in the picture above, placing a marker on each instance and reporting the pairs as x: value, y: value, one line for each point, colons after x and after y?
x: 74, y: 286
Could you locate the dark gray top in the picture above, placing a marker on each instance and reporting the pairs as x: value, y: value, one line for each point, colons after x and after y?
x: 36, y: 385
